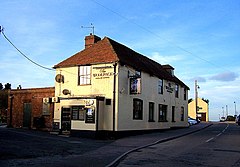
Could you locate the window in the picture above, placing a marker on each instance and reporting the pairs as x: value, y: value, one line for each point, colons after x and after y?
x: 78, y: 113
x: 160, y: 86
x: 46, y: 109
x: 84, y: 77
x: 162, y: 109
x: 176, y: 90
x: 137, y: 109
x: 173, y: 113
x: 151, y: 112
x: 108, y: 102
x: 182, y: 113
x: 185, y: 94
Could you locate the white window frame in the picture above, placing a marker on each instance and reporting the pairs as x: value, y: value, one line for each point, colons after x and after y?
x: 160, y: 86
x: 84, y: 75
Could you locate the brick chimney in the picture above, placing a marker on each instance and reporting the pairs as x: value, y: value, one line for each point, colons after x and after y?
x: 90, y: 40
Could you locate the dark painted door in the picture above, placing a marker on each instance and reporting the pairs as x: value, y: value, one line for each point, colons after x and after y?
x: 27, y: 111
x: 66, y: 119
x: 203, y: 116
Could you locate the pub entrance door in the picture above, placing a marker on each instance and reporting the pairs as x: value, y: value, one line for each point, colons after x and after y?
x: 66, y: 120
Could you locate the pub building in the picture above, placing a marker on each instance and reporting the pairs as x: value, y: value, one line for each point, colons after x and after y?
x: 108, y: 89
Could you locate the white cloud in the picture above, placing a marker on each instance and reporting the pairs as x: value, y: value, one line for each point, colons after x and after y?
x: 226, y: 76
x: 165, y: 59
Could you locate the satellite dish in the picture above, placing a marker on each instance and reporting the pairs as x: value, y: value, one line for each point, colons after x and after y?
x: 66, y: 91
x: 59, y: 78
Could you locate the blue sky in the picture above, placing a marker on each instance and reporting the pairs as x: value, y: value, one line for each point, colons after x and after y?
x: 199, y: 38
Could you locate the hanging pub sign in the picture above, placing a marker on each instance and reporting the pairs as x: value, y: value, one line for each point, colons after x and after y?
x: 135, y: 85
x: 169, y: 88
x: 90, y: 115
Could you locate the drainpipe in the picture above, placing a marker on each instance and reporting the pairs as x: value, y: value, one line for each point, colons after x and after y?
x: 114, y: 97
x: 97, y: 114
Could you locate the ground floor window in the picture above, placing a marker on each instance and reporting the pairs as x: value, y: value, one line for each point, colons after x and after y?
x: 78, y: 113
x: 46, y: 109
x: 137, y: 109
x: 162, y: 113
x: 173, y: 113
x: 182, y: 113
x: 151, y: 112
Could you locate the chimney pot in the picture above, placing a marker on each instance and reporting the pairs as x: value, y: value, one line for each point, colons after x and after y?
x: 90, y: 40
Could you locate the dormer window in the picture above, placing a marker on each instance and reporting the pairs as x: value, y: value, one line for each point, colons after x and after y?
x: 169, y: 69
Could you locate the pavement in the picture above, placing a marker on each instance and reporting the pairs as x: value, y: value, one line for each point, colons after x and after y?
x: 111, y: 154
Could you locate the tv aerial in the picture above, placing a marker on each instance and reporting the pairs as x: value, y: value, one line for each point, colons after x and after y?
x: 89, y: 27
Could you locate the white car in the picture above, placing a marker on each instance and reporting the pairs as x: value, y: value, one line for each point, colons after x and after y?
x: 192, y: 121
x: 222, y: 119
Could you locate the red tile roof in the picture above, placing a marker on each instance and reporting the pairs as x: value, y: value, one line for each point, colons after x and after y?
x: 108, y: 51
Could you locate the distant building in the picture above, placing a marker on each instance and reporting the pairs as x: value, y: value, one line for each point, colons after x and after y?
x: 30, y: 109
x: 108, y: 88
x: 203, y: 109
x: 3, y: 106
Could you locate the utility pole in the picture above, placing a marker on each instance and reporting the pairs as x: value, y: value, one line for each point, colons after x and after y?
x: 196, y: 98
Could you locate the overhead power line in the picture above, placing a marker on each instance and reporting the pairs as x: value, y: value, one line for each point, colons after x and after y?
x: 39, y: 65
x: 156, y: 35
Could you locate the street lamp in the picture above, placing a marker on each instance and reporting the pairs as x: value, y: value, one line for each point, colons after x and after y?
x: 235, y: 108
x: 223, y: 111
x: 226, y: 111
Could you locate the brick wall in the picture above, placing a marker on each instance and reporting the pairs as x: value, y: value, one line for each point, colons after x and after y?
x: 34, y: 97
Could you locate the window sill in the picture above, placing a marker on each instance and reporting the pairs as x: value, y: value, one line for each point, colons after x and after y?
x: 85, y: 85
x: 163, y: 121
x: 151, y: 121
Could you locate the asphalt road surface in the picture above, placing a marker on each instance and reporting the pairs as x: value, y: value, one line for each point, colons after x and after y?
x: 215, y: 146
x: 198, y: 145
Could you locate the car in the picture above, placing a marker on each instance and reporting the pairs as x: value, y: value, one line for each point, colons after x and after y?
x: 192, y: 121
x: 222, y: 119
x: 238, y: 119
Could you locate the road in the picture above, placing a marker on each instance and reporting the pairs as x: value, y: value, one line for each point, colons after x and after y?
x: 203, y: 144
x: 218, y: 145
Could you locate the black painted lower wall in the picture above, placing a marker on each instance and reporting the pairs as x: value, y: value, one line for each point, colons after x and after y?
x: 106, y: 135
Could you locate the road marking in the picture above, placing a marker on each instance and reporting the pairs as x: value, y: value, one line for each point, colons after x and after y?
x: 209, y: 139
x: 218, y: 134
